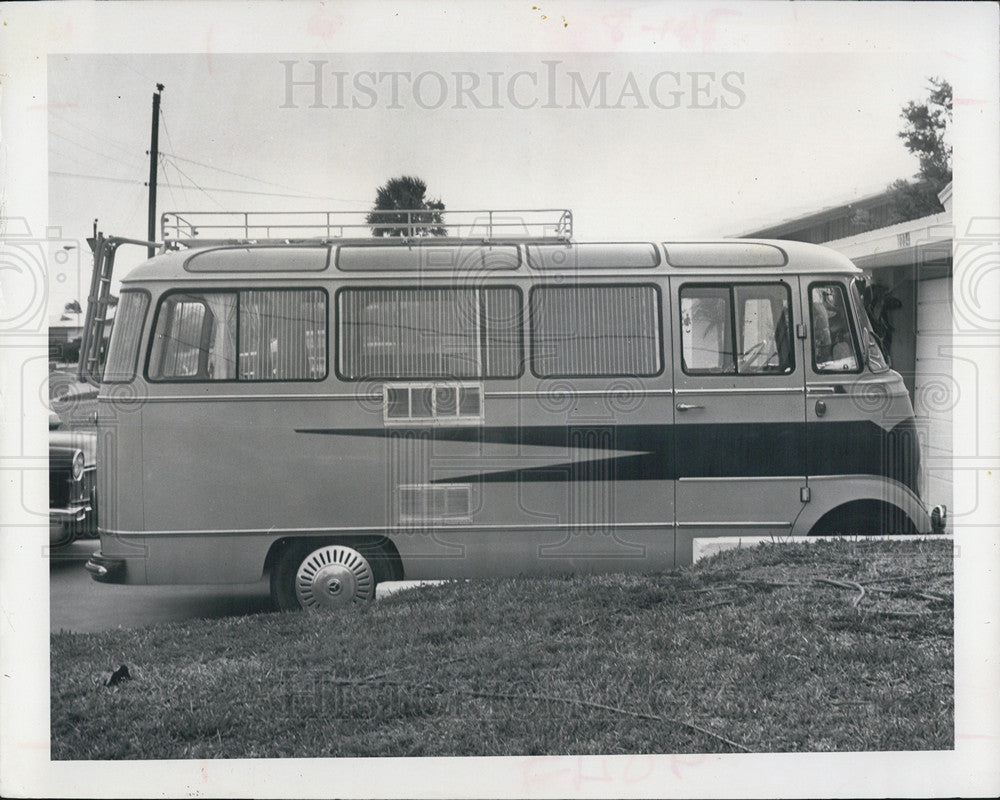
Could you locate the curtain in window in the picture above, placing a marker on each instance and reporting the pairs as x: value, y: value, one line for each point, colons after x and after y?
x: 222, y: 347
x: 595, y: 331
x: 410, y: 333
x: 123, y: 348
x: 282, y: 335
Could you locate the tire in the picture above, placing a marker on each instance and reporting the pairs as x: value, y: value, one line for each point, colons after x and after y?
x: 328, y: 577
x: 864, y: 518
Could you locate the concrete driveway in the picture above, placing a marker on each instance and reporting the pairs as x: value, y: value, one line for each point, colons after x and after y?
x: 78, y: 604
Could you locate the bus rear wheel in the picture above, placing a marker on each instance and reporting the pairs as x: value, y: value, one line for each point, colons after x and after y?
x: 317, y: 579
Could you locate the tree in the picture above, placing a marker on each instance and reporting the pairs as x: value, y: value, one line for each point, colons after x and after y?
x: 925, y: 132
x: 925, y: 135
x: 74, y: 307
x: 912, y: 200
x: 408, y: 193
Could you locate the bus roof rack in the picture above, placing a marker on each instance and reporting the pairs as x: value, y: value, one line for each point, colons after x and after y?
x: 202, y: 228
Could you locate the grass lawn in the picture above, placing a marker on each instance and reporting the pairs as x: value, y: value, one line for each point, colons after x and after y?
x: 829, y: 646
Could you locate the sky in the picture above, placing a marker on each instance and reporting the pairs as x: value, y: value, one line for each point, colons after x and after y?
x: 638, y: 145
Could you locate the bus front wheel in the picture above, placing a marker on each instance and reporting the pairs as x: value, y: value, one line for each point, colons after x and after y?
x: 327, y: 578
x: 864, y: 518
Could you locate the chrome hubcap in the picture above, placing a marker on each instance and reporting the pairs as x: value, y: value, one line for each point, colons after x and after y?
x: 333, y: 577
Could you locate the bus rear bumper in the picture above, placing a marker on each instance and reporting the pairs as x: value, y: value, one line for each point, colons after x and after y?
x: 106, y: 570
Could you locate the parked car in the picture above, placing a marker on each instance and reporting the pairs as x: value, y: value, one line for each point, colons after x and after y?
x: 72, y: 484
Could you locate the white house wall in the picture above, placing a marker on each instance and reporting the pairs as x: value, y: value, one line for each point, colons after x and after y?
x: 935, y: 388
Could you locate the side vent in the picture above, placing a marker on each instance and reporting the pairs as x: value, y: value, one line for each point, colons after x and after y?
x: 432, y: 404
x: 432, y: 503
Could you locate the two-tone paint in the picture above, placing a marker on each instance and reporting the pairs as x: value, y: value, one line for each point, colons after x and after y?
x: 200, y: 480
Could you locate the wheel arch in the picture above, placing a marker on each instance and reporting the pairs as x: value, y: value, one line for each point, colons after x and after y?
x: 377, y: 548
x: 845, y: 497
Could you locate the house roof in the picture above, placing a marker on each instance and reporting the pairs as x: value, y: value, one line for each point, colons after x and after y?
x: 792, y: 224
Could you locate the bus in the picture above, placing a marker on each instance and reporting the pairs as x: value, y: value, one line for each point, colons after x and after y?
x: 335, y: 408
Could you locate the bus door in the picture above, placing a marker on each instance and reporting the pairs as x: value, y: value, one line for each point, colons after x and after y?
x: 739, y: 416
x: 859, y: 419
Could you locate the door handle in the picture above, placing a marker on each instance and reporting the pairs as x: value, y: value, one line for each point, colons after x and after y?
x: 838, y: 389
x: 820, y: 408
x: 687, y: 406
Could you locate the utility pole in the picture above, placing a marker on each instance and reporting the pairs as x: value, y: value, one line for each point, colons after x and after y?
x: 154, y: 140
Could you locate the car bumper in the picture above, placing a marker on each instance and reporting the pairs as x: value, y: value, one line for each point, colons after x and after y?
x: 66, y: 523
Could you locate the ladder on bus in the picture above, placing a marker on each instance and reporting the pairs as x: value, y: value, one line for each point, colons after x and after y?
x: 99, y: 303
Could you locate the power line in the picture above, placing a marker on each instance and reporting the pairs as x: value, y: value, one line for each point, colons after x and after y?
x: 163, y: 163
x: 166, y: 130
x: 183, y: 189
x: 260, y: 180
x: 63, y: 174
x: 114, y: 142
x: 163, y: 160
x: 199, y: 188
x: 75, y: 159
x: 84, y: 147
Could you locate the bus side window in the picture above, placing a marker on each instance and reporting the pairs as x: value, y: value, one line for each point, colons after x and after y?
x: 706, y: 330
x: 282, y: 335
x: 429, y: 333
x: 757, y: 316
x: 123, y: 349
x: 764, y: 344
x: 595, y: 331
x: 195, y: 337
x: 834, y: 349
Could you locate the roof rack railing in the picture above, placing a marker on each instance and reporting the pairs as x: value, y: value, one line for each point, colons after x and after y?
x: 197, y: 228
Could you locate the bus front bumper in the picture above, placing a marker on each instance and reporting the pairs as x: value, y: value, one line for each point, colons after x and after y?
x: 939, y: 518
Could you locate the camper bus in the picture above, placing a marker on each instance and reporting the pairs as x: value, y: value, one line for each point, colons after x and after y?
x: 478, y: 394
